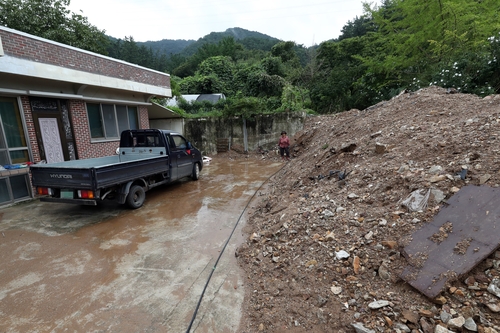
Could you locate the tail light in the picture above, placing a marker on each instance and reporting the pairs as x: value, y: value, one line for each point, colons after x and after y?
x: 45, y: 191
x: 85, y: 194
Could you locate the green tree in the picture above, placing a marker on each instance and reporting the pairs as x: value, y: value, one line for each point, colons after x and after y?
x: 50, y: 19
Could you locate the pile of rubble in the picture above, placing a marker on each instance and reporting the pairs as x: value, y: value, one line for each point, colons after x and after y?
x: 326, y: 236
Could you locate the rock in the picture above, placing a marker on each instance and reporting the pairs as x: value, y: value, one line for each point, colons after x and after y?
x: 361, y: 329
x: 490, y: 330
x: 494, y: 287
x: 376, y: 134
x: 330, y: 236
x: 356, y: 265
x: 255, y: 237
x: 383, y: 272
x: 311, y: 263
x: 456, y: 322
x: 470, y: 324
x: 380, y: 148
x: 328, y: 213
x: 390, y: 244
x: 378, y: 304
x: 441, y: 329
x: 411, y: 316
x: 382, y: 222
x: 402, y: 327
x: 261, y: 327
x: 493, y: 307
x: 484, y: 178
x: 438, y: 195
x: 388, y: 321
x: 445, y: 317
x: 403, y: 168
x: 435, y: 179
x: 369, y: 235
x: 341, y: 255
x: 336, y: 290
x: 454, y: 189
x: 426, y: 326
x: 440, y: 300
x: 435, y: 169
x: 352, y: 196
x: 426, y: 313
x: 339, y: 209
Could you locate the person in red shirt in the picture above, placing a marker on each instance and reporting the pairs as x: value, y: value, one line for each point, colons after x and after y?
x: 284, y: 145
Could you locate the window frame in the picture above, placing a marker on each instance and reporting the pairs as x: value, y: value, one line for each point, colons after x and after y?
x: 117, y: 123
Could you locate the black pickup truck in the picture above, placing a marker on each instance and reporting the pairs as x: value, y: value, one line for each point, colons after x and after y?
x: 146, y: 158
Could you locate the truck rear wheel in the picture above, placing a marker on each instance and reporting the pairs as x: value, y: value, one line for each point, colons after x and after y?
x: 136, y: 197
x: 196, y: 171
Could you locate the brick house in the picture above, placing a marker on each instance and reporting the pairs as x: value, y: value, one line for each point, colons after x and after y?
x: 61, y: 103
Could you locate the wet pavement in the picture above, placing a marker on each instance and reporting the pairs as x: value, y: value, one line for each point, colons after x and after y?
x: 110, y: 269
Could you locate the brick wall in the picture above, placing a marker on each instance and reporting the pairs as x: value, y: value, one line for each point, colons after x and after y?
x: 30, y: 126
x: 48, y: 52
x: 84, y: 146
x: 143, y: 117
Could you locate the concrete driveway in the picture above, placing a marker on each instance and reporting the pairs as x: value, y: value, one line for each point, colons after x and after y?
x: 66, y: 268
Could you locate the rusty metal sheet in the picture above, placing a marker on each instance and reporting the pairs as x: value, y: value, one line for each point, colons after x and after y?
x: 462, y: 234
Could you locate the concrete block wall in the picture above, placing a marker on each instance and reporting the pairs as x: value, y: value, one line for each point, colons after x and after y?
x: 262, y: 130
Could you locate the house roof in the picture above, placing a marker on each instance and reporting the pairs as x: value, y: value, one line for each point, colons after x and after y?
x: 47, y: 68
x: 214, y: 98
x: 156, y: 111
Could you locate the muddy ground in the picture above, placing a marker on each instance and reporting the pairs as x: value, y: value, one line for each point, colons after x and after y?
x: 304, y: 221
x: 106, y: 268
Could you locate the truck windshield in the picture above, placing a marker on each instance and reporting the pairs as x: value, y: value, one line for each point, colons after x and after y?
x: 140, y: 139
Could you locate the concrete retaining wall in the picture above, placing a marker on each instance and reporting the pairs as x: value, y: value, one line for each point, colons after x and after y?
x: 262, y: 130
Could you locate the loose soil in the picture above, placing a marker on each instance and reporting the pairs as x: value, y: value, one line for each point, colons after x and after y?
x: 320, y: 249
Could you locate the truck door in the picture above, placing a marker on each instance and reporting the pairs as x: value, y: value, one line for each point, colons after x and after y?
x: 184, y: 159
x: 172, y: 157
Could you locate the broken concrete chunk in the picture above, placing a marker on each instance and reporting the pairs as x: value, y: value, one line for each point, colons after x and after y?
x: 341, y: 255
x: 456, y: 322
x: 435, y: 169
x: 438, y: 195
x: 378, y: 304
x: 380, y: 148
x: 328, y: 213
x: 494, y: 287
x: 361, y: 329
x: 484, y: 178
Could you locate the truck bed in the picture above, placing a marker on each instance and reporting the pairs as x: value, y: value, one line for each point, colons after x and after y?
x: 96, y: 173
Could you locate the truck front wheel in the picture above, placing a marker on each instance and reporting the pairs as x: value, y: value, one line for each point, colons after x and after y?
x: 136, y: 197
x: 196, y: 171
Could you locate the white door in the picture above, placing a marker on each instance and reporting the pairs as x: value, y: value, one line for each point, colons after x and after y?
x: 51, y: 140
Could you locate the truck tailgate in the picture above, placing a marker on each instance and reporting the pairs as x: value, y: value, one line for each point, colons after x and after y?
x: 78, y: 178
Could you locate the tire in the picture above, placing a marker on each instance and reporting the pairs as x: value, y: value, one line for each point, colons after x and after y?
x: 136, y: 197
x: 196, y: 172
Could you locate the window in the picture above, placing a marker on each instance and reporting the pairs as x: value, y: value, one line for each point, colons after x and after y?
x: 14, y: 185
x: 180, y: 142
x: 107, y: 121
x: 13, y: 147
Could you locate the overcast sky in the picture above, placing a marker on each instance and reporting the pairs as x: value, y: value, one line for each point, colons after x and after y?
x: 304, y: 22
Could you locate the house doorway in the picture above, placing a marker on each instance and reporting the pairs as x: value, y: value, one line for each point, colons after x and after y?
x: 54, y: 132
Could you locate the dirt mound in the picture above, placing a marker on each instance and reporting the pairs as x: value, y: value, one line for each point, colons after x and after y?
x: 325, y: 237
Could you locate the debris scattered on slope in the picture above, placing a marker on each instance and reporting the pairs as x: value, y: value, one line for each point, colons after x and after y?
x: 329, y: 248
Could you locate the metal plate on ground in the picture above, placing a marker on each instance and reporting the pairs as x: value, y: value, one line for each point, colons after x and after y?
x: 462, y: 234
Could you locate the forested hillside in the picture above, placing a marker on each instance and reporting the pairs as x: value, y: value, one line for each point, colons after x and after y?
x: 399, y: 45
